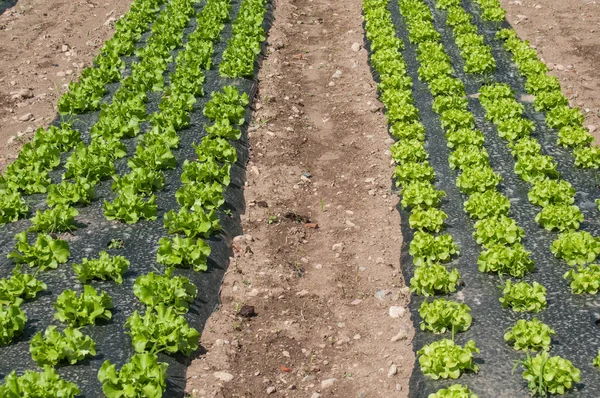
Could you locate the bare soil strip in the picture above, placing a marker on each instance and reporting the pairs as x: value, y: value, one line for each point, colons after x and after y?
x: 319, y: 262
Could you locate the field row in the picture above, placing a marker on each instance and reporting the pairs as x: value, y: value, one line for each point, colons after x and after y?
x: 171, y: 155
x: 455, y: 62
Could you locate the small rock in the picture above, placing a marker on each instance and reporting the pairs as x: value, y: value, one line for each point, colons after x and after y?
x: 402, y: 335
x: 315, y: 395
x: 26, y: 117
x: 29, y: 130
x: 560, y: 67
x: 396, y: 311
x: 380, y: 294
x: 392, y: 371
x: 65, y: 48
x: 253, y: 293
x: 278, y: 45
x: 356, y: 337
x: 338, y: 247
x: 60, y: 74
x: 355, y: 47
x: 223, y: 376
x: 90, y: 43
x: 286, y: 354
x: 389, y: 141
x: 338, y: 73
x: 331, y: 84
x: 69, y: 72
x: 110, y: 21
x: 308, y: 378
x: 328, y: 383
x: 591, y: 128
x: 372, y: 192
x: 247, y: 311
x: 302, y: 293
x: 271, y: 390
x: 23, y: 93
x: 522, y: 17
x: 11, y: 139
x: 356, y: 302
x: 538, y: 6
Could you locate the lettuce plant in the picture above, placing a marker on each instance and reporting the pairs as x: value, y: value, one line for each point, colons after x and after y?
x: 548, y: 375
x: 84, y: 309
x: 432, y: 279
x: 45, y: 253
x: 551, y: 192
x: 421, y: 194
x: 183, y: 252
x: 142, y: 376
x: 513, y: 260
x: 441, y: 315
x: 524, y: 297
x: 60, y: 218
x: 130, y: 208
x: 161, y: 329
x: 104, y: 267
x: 576, y: 247
x: 193, y: 223
x: 468, y: 156
x: 12, y: 207
x: 12, y: 322
x: 497, y: 230
x: 426, y: 248
x: 431, y: 219
x: 38, y: 384
x: 584, y: 279
x: 560, y: 217
x: 478, y: 179
x: 80, y: 191
x: 444, y: 359
x: 408, y: 151
x: 410, y: 172
x: 19, y: 286
x: 176, y: 292
x: 453, y: 391
x: 490, y: 203
x: 530, y: 335
x: 54, y: 347
x: 587, y: 157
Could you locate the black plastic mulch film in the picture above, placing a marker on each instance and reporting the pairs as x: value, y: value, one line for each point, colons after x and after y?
x: 140, y: 240
x: 573, y: 317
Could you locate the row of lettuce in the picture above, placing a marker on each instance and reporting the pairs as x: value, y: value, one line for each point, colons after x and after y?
x: 162, y: 327
x: 495, y: 230
x: 414, y: 174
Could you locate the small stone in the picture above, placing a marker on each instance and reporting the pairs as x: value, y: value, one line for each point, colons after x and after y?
x: 328, y: 383
x: 90, y: 43
x: 402, y: 335
x: 69, y: 72
x: 355, y: 47
x: 538, y: 6
x: 308, y: 378
x: 271, y: 390
x: 392, y: 371
x: 389, y: 141
x: 356, y: 302
x: 331, y: 84
x: 396, y: 311
x: 223, y: 376
x: 315, y: 395
x: 338, y: 247
x: 29, y: 130
x: 253, y: 293
x: 286, y: 354
x: 372, y: 192
x: 65, y: 48
x: 302, y: 293
x: 23, y: 93
x: 11, y: 139
x: 356, y: 337
x: 380, y: 294
x: 338, y: 73
x: 591, y: 128
x: 60, y: 74
x: 560, y: 67
x: 278, y: 45
x: 247, y: 311
x: 26, y: 117
x: 523, y: 17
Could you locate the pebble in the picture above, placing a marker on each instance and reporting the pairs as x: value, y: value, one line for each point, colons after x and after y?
x: 392, y: 371
x: 286, y: 354
x: 23, y: 93
x: 223, y: 376
x: 331, y: 84
x: 302, y: 293
x: 253, y: 293
x: 338, y: 73
x: 356, y: 302
x: 65, y: 48
x: 591, y: 128
x: 402, y: 335
x: 308, y: 378
x: 315, y: 395
x: 26, y: 117
x: 271, y: 390
x: 60, y: 74
x: 355, y: 47
x: 560, y: 67
x: 380, y: 294
x: 29, y: 130
x: 337, y: 247
x: 328, y: 383
x: 11, y: 139
x: 396, y: 311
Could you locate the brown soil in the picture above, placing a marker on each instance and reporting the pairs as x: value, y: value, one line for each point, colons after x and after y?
x: 565, y: 34
x: 43, y: 46
x: 321, y: 294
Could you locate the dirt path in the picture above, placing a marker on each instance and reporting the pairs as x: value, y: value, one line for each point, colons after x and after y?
x: 43, y: 46
x: 322, y: 294
x: 565, y: 34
